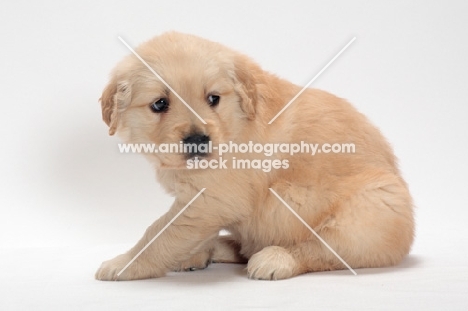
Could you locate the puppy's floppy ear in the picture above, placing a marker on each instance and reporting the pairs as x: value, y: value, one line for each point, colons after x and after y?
x: 115, y: 98
x: 246, y: 74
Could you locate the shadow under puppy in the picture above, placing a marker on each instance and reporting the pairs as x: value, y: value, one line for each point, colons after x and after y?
x: 358, y: 203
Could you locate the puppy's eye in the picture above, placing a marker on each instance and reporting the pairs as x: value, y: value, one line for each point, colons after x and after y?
x: 213, y: 100
x: 160, y: 105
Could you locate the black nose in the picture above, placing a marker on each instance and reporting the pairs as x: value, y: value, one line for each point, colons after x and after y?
x: 196, y: 145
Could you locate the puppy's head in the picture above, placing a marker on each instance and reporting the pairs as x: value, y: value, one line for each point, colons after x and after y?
x: 191, y: 77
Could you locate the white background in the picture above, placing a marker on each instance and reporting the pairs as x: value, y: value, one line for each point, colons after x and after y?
x: 69, y: 200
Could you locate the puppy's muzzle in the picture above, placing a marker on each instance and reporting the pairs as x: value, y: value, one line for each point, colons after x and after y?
x: 196, y: 145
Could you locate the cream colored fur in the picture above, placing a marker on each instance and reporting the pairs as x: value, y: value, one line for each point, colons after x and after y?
x: 358, y: 203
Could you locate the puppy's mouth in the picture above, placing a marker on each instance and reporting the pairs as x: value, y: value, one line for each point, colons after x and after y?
x: 197, y: 146
x: 193, y: 147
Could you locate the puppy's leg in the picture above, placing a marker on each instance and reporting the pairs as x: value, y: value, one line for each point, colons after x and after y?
x: 227, y: 250
x: 182, y: 239
x: 198, y: 261
x: 223, y: 249
x: 373, y: 228
x: 272, y: 263
x: 277, y: 263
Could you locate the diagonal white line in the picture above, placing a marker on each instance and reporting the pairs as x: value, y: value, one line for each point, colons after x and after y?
x: 313, y: 231
x: 159, y: 233
x: 313, y: 79
x: 160, y: 78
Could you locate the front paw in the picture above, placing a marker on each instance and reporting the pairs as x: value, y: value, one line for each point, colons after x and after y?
x: 108, y: 271
x: 138, y: 269
x: 197, y: 262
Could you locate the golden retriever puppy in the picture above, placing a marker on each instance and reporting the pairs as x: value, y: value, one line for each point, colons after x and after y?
x: 357, y: 202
